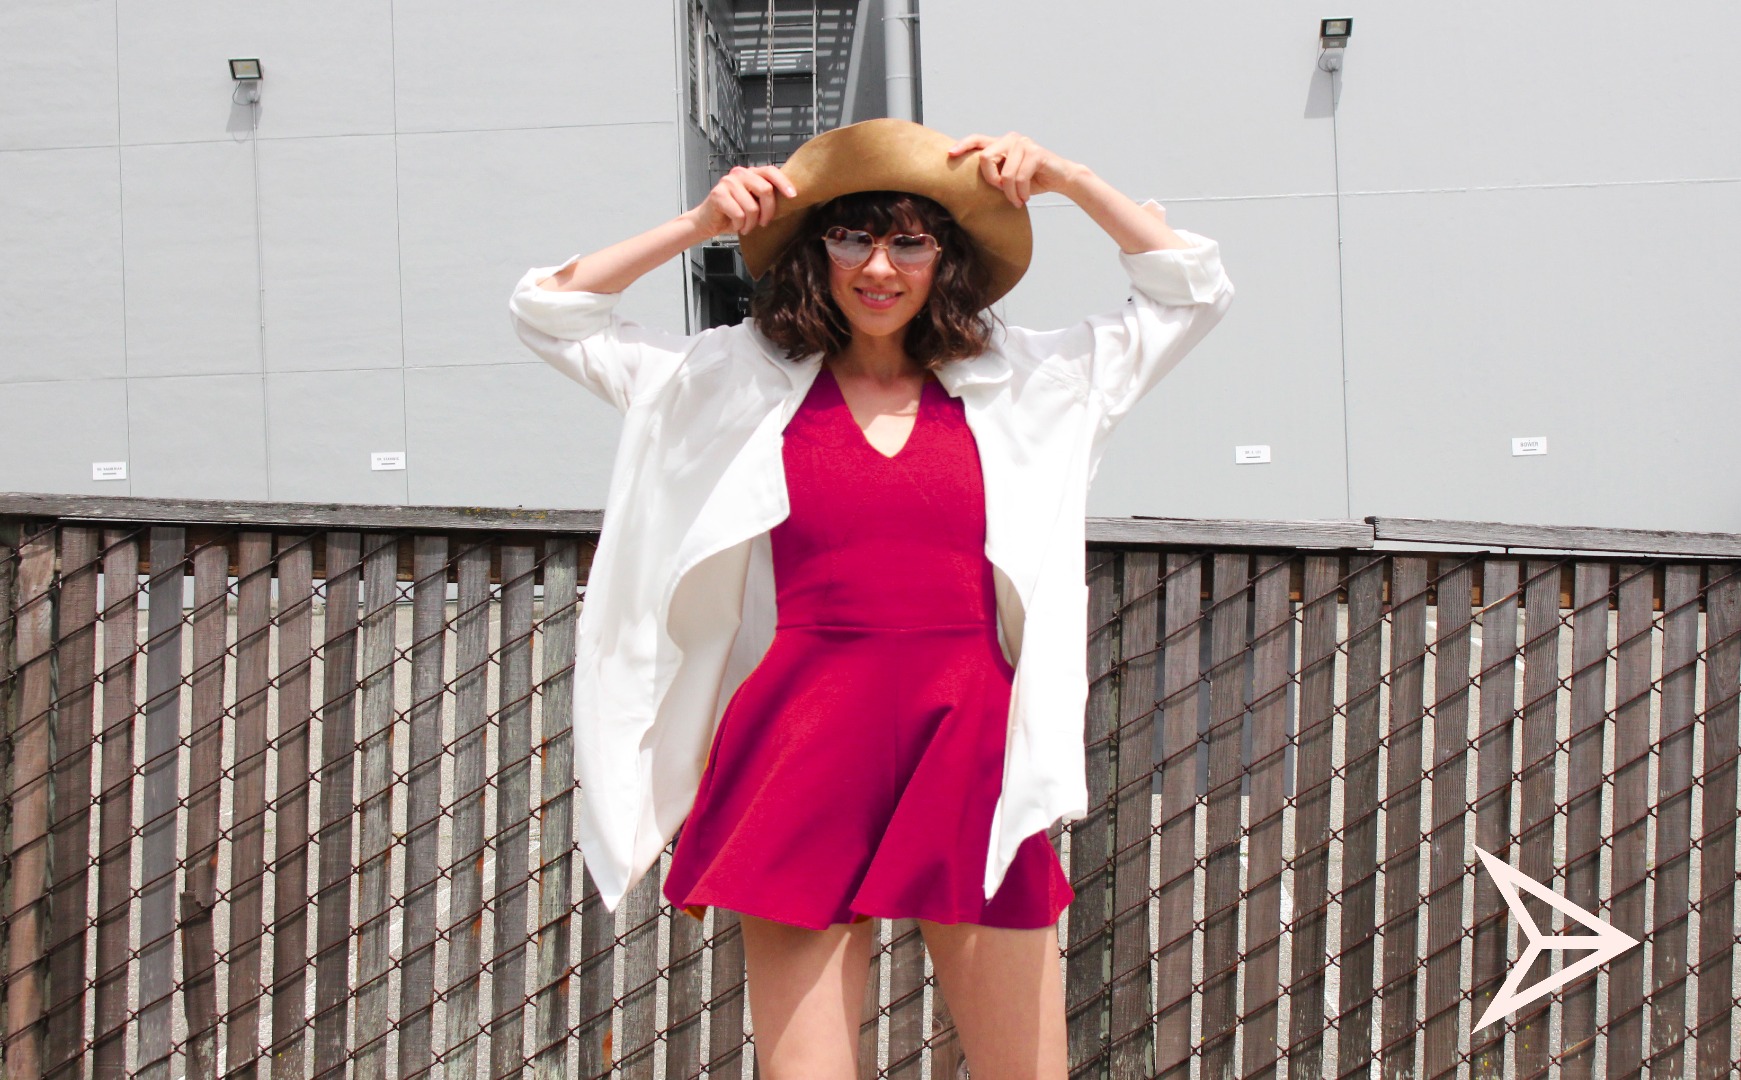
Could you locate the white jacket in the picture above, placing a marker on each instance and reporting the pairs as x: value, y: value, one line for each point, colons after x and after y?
x: 679, y: 605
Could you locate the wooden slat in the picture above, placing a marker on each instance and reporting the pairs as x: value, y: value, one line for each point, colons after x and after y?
x: 513, y: 832
x: 1401, y: 980
x: 1360, y: 812
x: 8, y: 699
x: 556, y: 826
x: 115, y: 802
x: 1228, y: 532
x: 1312, y: 817
x: 1228, y: 620
x: 1089, y: 916
x: 423, y: 806
x: 906, y: 1001
x: 158, y: 778
x: 1272, y: 655
x: 593, y: 984
x: 248, y: 850
x: 1180, y: 663
x: 205, y: 754
x: 8, y: 707
x: 70, y: 825
x: 1584, y: 799
x: 870, y: 1016
x: 1717, y: 840
x: 1535, y: 834
x: 725, y: 1018
x: 26, y: 922
x: 471, y: 626
x: 1672, y: 897
x: 1556, y: 537
x: 1131, y: 1029
x: 1489, y: 961
x: 376, y: 640
x: 1631, y: 815
x: 292, y: 823
x: 685, y: 1001
x: 338, y: 736
x: 317, y: 516
x: 1447, y: 870
x: 638, y: 948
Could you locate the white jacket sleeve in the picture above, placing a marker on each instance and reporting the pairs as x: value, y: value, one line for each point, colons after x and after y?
x: 1177, y: 296
x: 580, y: 335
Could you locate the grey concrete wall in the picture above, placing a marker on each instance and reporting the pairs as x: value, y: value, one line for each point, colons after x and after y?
x: 1514, y: 220
x: 244, y: 306
x: 1511, y: 221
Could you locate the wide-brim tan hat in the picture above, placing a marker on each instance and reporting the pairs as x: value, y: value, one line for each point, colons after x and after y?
x: 897, y: 155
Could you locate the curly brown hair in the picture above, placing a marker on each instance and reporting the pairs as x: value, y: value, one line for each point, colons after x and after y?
x: 795, y: 309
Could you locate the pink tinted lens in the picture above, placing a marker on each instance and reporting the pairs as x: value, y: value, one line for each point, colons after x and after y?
x: 912, y: 252
x: 849, y: 248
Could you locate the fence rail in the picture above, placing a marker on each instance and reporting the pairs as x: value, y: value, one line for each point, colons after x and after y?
x: 288, y: 792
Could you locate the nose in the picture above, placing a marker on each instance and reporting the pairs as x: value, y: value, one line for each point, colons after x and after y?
x: 873, y: 266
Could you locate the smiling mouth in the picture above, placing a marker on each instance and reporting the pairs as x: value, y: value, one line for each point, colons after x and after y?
x: 877, y: 299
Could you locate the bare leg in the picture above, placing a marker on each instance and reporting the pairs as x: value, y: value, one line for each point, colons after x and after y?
x: 1005, y: 992
x: 807, y: 996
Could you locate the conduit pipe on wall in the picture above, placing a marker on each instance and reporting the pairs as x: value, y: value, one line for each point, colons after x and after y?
x: 898, y: 19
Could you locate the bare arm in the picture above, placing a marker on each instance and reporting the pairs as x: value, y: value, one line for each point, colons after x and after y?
x: 743, y: 199
x: 1021, y: 168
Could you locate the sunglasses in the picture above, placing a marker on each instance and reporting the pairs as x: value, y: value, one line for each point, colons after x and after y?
x: 908, y: 252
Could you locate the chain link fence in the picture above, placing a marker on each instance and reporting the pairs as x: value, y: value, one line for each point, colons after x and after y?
x: 291, y: 801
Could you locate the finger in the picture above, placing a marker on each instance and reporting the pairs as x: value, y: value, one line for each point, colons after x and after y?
x: 729, y: 208
x: 971, y: 142
x: 1033, y: 160
x: 779, y: 179
x: 1000, y: 146
x: 763, y: 192
x: 1015, y: 183
x: 747, y: 208
x: 989, y: 171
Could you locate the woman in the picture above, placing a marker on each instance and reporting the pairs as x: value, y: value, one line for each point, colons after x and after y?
x: 891, y: 611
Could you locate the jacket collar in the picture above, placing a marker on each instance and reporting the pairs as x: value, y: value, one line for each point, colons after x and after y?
x: 991, y: 366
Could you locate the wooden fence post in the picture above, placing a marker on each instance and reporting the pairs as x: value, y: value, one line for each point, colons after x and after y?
x: 338, y: 728
x: 115, y: 803
x: 29, y: 802
x: 158, y: 831
x: 1131, y: 1029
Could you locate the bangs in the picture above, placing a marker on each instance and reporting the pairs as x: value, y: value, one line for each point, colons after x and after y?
x: 882, y: 212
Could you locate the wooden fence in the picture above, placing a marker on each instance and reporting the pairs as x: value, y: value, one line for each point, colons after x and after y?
x: 288, y: 792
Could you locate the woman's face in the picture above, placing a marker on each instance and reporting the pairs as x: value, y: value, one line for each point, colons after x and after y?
x: 877, y: 299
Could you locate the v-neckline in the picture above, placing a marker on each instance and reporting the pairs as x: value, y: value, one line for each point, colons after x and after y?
x: 919, y: 415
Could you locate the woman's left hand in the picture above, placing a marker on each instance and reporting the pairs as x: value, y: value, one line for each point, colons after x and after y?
x: 1017, y: 165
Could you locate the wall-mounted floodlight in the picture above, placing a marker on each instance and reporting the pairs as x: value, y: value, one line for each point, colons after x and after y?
x: 1333, y: 35
x: 247, y: 72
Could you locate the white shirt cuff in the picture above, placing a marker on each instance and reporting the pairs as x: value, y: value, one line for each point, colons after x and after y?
x: 1177, y: 276
x: 558, y: 312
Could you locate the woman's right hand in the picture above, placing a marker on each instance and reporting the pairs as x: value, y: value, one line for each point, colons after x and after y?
x: 743, y: 199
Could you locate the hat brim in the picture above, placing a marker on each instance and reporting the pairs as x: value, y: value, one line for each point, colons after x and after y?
x: 897, y: 155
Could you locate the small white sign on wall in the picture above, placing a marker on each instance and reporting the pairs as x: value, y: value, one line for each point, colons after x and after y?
x: 387, y: 459
x: 1529, y: 444
x: 1251, y: 455
x: 108, y: 470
